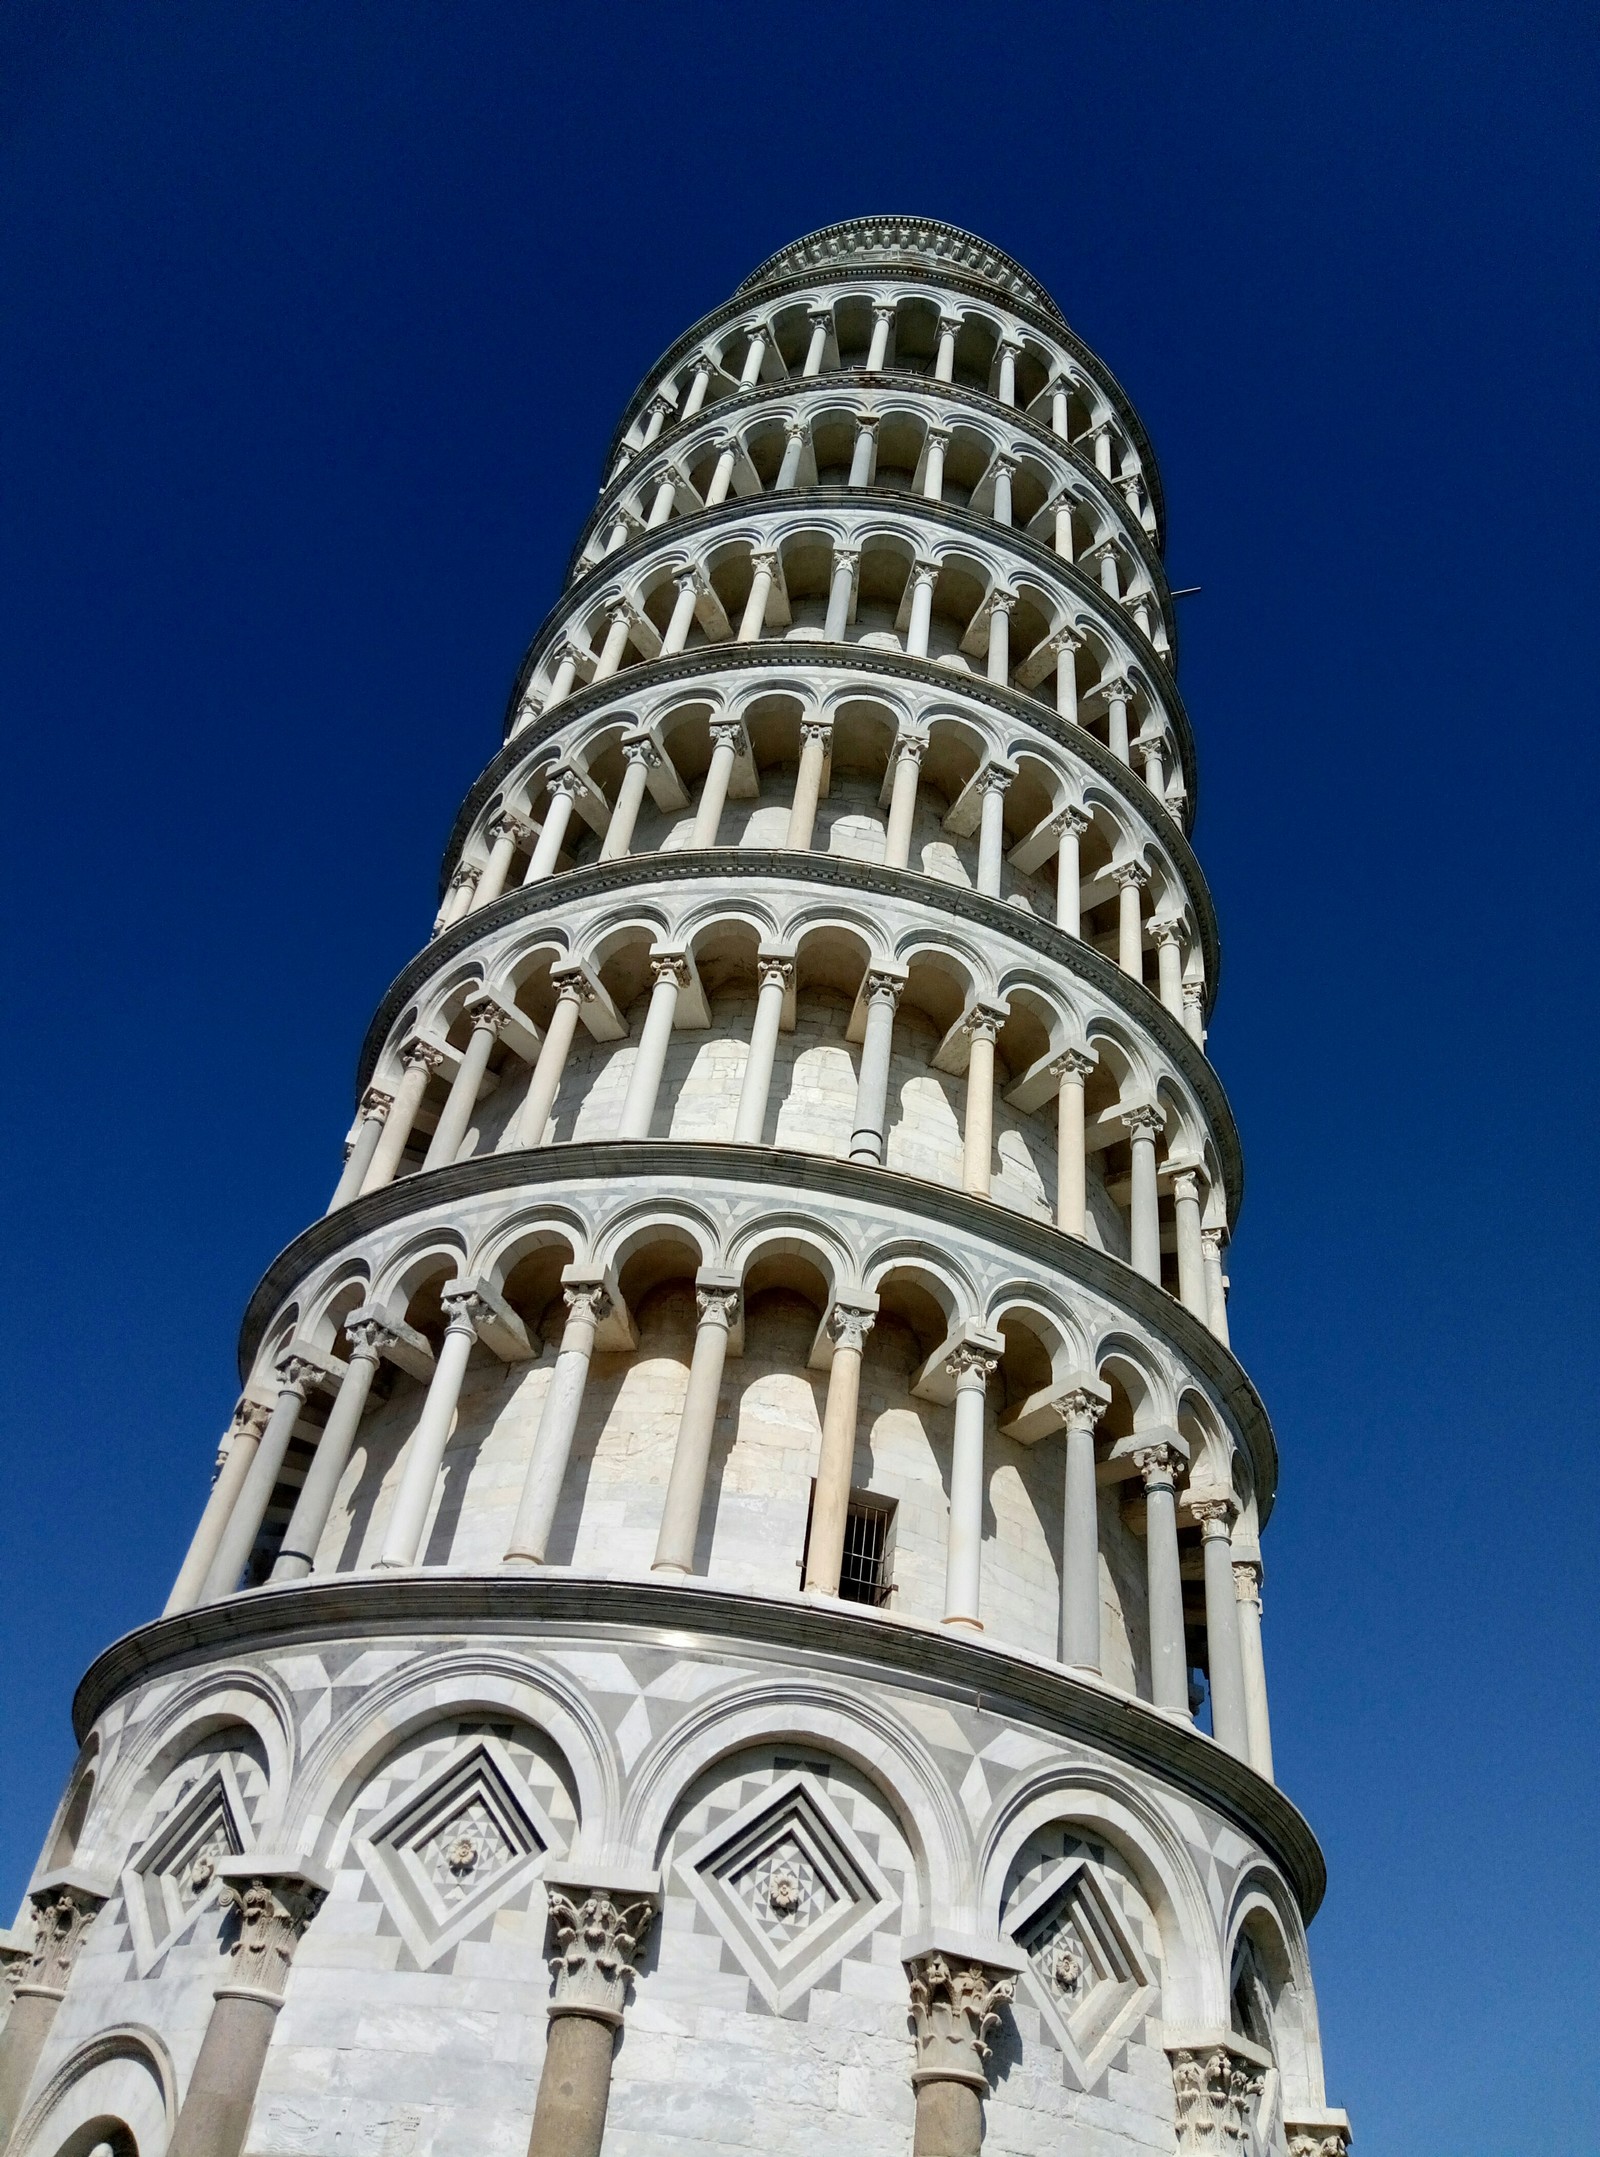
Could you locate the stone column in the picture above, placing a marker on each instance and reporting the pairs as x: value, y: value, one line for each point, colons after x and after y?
x: 566, y: 673
x: 726, y: 735
x: 558, y: 815
x: 998, y: 662
x: 1081, y: 1409
x: 671, y: 971
x: 908, y: 752
x: 661, y: 508
x: 717, y: 1300
x: 868, y: 1136
x: 955, y: 2003
x: 1152, y: 750
x: 1060, y: 417
x: 596, y: 1933
x: 1211, y: 1242
x: 971, y: 1368
x: 981, y: 1025
x: 992, y: 786
x: 696, y: 394
x: 1072, y: 1067
x: 619, y: 619
x: 848, y: 1324
x: 375, y: 1106
x: 815, y: 735
x: 237, y: 1451
x: 846, y: 561
x: 933, y: 470
x: 1063, y: 531
x: 296, y: 1377
x: 1070, y: 826
x: 821, y: 320
x: 424, y: 1453
x: 1004, y: 468
x: 764, y: 572
x: 924, y: 575
x: 1228, y: 1724
x: 1258, y: 1722
x: 1144, y: 1205
x: 641, y: 756
x: 65, y: 1905
x: 1167, y: 936
x: 944, y: 365
x: 458, y: 898
x: 1169, y: 1662
x: 272, y: 1904
x: 794, y: 449
x: 368, y: 1338
x: 1118, y: 694
x: 864, y: 455
x: 690, y: 584
x: 487, y: 1021
x: 1130, y: 878
x: 656, y: 413
x: 1191, y: 1257
x: 1067, y: 645
x: 727, y: 449
x: 1006, y: 387
x: 419, y: 1061
x: 529, y: 1125
x: 1102, y: 448
x: 1194, y: 1013
x: 751, y: 372
x: 587, y: 1303
x: 882, y: 323
x: 506, y: 834
x: 1110, y: 568
x: 774, y: 976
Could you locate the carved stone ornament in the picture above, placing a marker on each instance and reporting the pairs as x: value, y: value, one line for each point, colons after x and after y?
x: 849, y: 1324
x: 14, y: 1961
x: 1318, y: 2141
x: 61, y: 1916
x: 1214, y: 2093
x: 272, y: 1911
x: 954, y: 2005
x: 595, y: 1941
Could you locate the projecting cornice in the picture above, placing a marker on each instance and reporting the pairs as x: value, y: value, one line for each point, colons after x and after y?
x: 900, y: 243
x: 815, y: 1637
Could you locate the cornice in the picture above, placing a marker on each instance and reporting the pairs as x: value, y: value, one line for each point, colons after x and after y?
x: 743, y: 866
x: 895, y: 238
x: 833, y: 1638
x: 626, y: 1161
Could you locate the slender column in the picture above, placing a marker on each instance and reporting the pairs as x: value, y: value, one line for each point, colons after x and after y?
x: 981, y: 1025
x: 1167, y: 936
x: 671, y: 971
x: 908, y: 750
x: 1194, y: 1011
x: 1258, y: 1723
x: 1060, y: 420
x: 933, y: 471
x: 487, y: 1021
x: 722, y: 471
x: 1063, y: 534
x: 815, y: 735
x: 566, y: 673
x: 923, y: 577
x: 751, y: 372
x: 944, y: 365
x: 1228, y: 1724
x: 954, y: 2005
x: 726, y: 736
x: 993, y: 786
x: 237, y: 1451
x: 1072, y: 1178
x: 868, y: 1136
x: 506, y: 833
x: 641, y: 757
x: 774, y: 976
x: 623, y: 525
x: 1110, y: 581
x: 1169, y: 1663
x: 882, y: 323
x: 794, y: 449
x: 1191, y: 1258
x: 620, y: 617
x: 1118, y: 694
x: 1152, y: 750
x: 64, y: 1907
x: 296, y: 1378
x: 587, y: 1303
x: 1004, y: 467
x: 686, y: 1486
x: 458, y: 899
x: 596, y: 1935
x: 764, y: 566
x: 531, y: 1118
x: 690, y: 583
x: 1081, y: 1409
x: 1144, y: 1207
x: 696, y: 395
x: 1211, y: 1242
x: 655, y: 419
x: 272, y: 1905
x: 1066, y: 646
x: 846, y: 560
x: 424, y: 1453
x: 864, y: 456
x: 999, y: 659
x: 1070, y: 825
x: 1006, y: 387
x: 1130, y: 878
x: 971, y: 1368
x: 297, y: 1556
x: 419, y: 1061
x: 1102, y: 448
x: 661, y: 508
x: 375, y: 1106
x: 558, y: 815
x: 821, y: 320
x: 848, y: 1324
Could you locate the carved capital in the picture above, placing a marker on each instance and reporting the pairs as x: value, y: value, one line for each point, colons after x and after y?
x: 984, y: 1021
x: 369, y: 1337
x: 771, y: 970
x: 486, y: 1015
x: 589, y: 1299
x: 271, y: 1911
x: 954, y: 2005
x: 995, y: 778
x: 466, y: 877
x: 1080, y: 1409
x: 1071, y: 823
x: 718, y: 1305
x: 1125, y: 873
x: 1320, y: 2138
x: 251, y: 1418
x: 422, y: 1055
x: 764, y: 561
x: 297, y: 1375
x: 1116, y: 689
x: 967, y: 1360
x: 376, y: 1104
x: 879, y: 988
x: 640, y: 749
x: 867, y: 422
x: 1148, y: 1119
x: 670, y: 966
x: 62, y: 1914
x: 1212, y: 1241
x: 1073, y: 1066
x: 465, y: 1310
x: 509, y: 826
x: 572, y: 983
x: 849, y: 1324
x: 595, y: 1941
x: 1158, y: 1465
x: 1167, y: 930
x: 1247, y: 1581
x: 1214, y: 2091
x: 924, y: 571
x: 1216, y: 1516
x: 727, y: 734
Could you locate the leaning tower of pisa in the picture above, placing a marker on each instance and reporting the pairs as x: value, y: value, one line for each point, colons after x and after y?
x: 728, y: 1617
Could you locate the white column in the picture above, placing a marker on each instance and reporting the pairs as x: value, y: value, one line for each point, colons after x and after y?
x: 1228, y: 1724
x: 971, y: 1368
x: 487, y: 1020
x: 1211, y: 1242
x: 1130, y: 878
x: 981, y: 1025
x: 661, y: 508
x: 696, y: 396
x: 690, y: 584
x: 419, y: 1061
x: 999, y: 659
x: 1102, y: 448
x: 297, y: 1554
x: 296, y: 1378
x: 1063, y: 532
x: 566, y: 673
x: 882, y: 323
x: 671, y: 971
x: 944, y: 365
x: 234, y: 1455
x: 821, y: 320
x: 1118, y: 694
x: 933, y: 470
x: 1060, y: 417
x: 774, y: 976
x: 1070, y: 825
x: 506, y: 834
x: 587, y: 1303
x: 726, y: 737
x: 619, y: 616
x: 868, y: 1137
x: 815, y: 735
x: 923, y: 577
x: 1110, y: 579
x: 722, y: 472
x: 864, y: 456
x: 1072, y: 1175
x: 1066, y: 646
x: 1006, y: 387
x: 686, y: 1486
x: 1169, y: 1660
x: 375, y: 1106
x: 992, y: 786
x: 1167, y: 936
x: 753, y: 357
x: 1080, y: 1409
x: 1191, y: 1257
x: 848, y: 1327
x: 764, y: 566
x: 1152, y: 753
x: 794, y: 449
x: 1004, y: 467
x: 841, y: 588
x: 655, y: 418
x: 1194, y: 1011
x: 641, y: 756
x: 458, y: 898
x: 557, y: 816
x: 528, y: 1128
x: 424, y: 1453
x: 907, y: 753
x: 1144, y: 1206
x: 1258, y: 1723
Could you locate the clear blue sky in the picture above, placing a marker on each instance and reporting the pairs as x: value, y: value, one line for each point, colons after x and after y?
x: 318, y: 320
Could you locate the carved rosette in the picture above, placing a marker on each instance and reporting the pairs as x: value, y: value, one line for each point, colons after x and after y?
x: 1214, y: 2092
x: 272, y: 1911
x: 954, y: 2005
x: 61, y: 1916
x: 596, y: 1940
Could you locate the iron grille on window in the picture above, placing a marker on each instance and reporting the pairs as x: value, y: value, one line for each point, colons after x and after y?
x: 864, y: 1574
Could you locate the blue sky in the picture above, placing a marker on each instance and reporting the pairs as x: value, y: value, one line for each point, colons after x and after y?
x: 318, y: 323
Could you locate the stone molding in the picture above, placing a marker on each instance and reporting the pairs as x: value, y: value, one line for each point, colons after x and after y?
x: 839, y: 1638
x: 895, y: 239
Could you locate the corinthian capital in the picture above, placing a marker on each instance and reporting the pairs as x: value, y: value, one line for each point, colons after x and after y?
x: 271, y: 1906
x: 955, y: 2003
x: 1214, y: 2089
x: 63, y: 1910
x: 595, y: 1939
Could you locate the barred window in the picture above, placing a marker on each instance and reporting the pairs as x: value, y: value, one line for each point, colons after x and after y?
x: 868, y: 1544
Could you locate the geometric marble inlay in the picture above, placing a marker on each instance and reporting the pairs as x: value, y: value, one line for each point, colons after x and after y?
x: 177, y: 1872
x: 1085, y: 1970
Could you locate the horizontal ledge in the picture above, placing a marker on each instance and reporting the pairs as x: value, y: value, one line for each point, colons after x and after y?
x: 625, y: 1161
x: 1008, y: 1683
